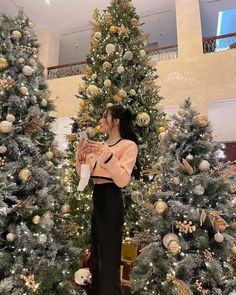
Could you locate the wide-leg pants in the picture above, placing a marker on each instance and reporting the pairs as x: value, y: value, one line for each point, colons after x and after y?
x: 107, y: 227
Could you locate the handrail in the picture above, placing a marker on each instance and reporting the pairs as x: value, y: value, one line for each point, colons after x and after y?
x: 219, y: 36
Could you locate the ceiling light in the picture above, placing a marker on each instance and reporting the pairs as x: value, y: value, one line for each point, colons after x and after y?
x: 47, y: 2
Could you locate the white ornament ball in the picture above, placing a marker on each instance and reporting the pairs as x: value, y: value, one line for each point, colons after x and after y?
x: 97, y: 35
x: 65, y: 208
x: 189, y: 157
x: 181, y: 112
x: 36, y: 219
x: 25, y: 174
x: 49, y: 155
x: 34, y: 98
x: 94, y: 76
x: 27, y: 71
x: 142, y: 53
x: 142, y: 119
x: 128, y: 55
x: 42, y: 239
x: 204, y: 166
x: 110, y: 48
x: 160, y: 207
x: 5, y: 126
x: 10, y: 118
x: 107, y: 83
x: 24, y: 90
x: 199, y: 190
x: 120, y: 70
x: 92, y: 91
x: 218, y: 237
x: 10, y: 237
x: 91, y: 132
x: 3, y: 149
x: 21, y: 60
x: 44, y: 102
x: 16, y: 35
x: 232, y: 293
x: 109, y: 105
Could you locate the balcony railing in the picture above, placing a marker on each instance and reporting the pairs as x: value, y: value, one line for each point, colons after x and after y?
x: 219, y: 43
x: 160, y: 53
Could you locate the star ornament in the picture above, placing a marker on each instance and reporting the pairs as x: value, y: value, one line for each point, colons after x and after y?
x: 123, y: 31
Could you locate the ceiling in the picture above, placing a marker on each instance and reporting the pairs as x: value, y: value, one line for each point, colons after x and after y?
x: 70, y: 20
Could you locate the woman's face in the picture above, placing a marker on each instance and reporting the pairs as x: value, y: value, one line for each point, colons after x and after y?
x: 106, y: 122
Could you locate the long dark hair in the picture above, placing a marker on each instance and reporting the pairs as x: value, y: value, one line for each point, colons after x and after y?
x: 126, y: 122
x: 126, y: 129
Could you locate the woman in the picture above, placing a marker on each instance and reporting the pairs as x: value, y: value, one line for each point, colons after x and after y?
x: 111, y: 164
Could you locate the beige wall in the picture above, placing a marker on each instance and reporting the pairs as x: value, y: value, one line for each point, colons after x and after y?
x: 193, y: 74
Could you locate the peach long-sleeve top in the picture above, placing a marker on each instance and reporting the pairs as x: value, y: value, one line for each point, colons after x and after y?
x: 113, y: 163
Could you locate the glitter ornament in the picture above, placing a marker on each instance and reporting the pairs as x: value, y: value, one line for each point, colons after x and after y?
x: 3, y: 149
x: 92, y: 91
x: 44, y: 102
x: 10, y: 118
x: 128, y: 55
x: 25, y: 174
x: 42, y: 239
x: 36, y: 219
x: 204, y: 166
x: 142, y: 119
x: 27, y: 71
x: 110, y: 48
x: 160, y: 207
x: 5, y: 126
x: 199, y: 190
x: 3, y: 63
x: 65, y: 208
x: 16, y: 35
x: 218, y: 237
x: 120, y: 70
x: 10, y: 237
x: 107, y: 83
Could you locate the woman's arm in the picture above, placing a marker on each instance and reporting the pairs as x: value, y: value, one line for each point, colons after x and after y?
x: 120, y: 169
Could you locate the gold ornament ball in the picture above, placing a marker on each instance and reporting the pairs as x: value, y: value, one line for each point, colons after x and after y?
x: 92, y: 91
x: 142, y: 119
x: 107, y: 83
x: 97, y: 128
x: 113, y: 29
x: 36, y: 219
x: 49, y: 155
x: 233, y: 225
x: 3, y: 149
x: 82, y: 103
x: 134, y: 22
x: 160, y: 207
x: 233, y: 250
x: 16, y: 35
x: 65, y: 208
x: 110, y: 48
x: 218, y: 237
x: 161, y: 129
x: 142, y: 53
x: 10, y: 237
x: 168, y: 238
x: 106, y: 65
x: 201, y: 121
x: 3, y: 63
x: 94, y: 76
x: 5, y: 126
x: 97, y: 35
x: 10, y: 118
x: 25, y: 174
x: 174, y: 247
x: 132, y: 92
x: 189, y: 157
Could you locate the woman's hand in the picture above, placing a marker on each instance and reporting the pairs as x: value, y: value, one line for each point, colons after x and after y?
x: 81, y: 150
x: 94, y: 146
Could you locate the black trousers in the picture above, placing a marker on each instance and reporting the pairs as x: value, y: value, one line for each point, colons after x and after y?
x: 107, y: 227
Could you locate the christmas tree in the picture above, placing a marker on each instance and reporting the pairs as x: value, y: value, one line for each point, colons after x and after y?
x: 118, y: 71
x: 189, y: 237
x: 34, y: 257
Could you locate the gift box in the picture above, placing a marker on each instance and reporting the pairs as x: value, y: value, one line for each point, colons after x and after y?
x: 129, y: 251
